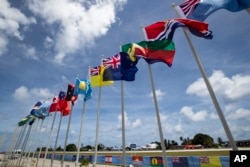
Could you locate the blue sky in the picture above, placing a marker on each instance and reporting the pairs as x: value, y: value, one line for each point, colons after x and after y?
x: 44, y: 45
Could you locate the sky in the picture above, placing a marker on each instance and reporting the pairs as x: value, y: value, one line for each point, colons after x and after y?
x: 45, y: 45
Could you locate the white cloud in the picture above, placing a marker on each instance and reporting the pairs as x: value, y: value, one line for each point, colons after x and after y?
x: 194, y: 116
x: 159, y: 94
x: 79, y: 23
x: 239, y: 114
x: 24, y: 94
x: 128, y: 123
x: 230, y: 88
x: 30, y: 52
x: 10, y: 21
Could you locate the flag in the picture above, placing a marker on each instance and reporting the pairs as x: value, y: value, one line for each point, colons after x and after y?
x: 83, y: 87
x: 54, y: 105
x: 26, y: 119
x: 40, y: 109
x: 96, y: 77
x: 201, y: 9
x: 165, y: 29
x: 152, y: 51
x: 70, y: 94
x: 119, y: 67
x: 63, y: 104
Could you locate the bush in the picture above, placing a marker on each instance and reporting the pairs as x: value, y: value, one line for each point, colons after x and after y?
x: 84, y: 162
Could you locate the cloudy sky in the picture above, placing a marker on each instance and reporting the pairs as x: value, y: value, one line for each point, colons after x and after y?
x: 44, y: 45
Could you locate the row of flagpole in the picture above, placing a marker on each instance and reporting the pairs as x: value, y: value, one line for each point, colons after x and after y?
x: 23, y: 140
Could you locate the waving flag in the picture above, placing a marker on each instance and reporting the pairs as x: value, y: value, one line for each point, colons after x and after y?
x: 152, y: 51
x: 41, y: 109
x: 70, y: 94
x: 54, y: 105
x: 119, y: 67
x: 63, y: 104
x: 165, y: 29
x: 201, y: 9
x: 83, y: 87
x: 26, y: 120
x: 96, y: 77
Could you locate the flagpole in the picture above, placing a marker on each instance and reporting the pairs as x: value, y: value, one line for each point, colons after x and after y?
x: 97, y: 125
x: 21, y: 139
x: 123, y: 126
x: 165, y: 162
x: 209, y: 87
x: 10, y: 145
x: 24, y: 144
x: 48, y: 143
x: 67, y: 134
x: 80, y: 134
x: 33, y: 140
x: 39, y: 154
x: 58, y: 130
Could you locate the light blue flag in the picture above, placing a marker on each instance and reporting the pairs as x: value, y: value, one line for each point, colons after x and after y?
x: 83, y: 87
x: 201, y: 9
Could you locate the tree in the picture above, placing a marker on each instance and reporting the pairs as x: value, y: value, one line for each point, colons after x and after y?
x: 220, y: 141
x: 71, y: 147
x: 59, y: 148
x: 100, y: 147
x: 203, y: 139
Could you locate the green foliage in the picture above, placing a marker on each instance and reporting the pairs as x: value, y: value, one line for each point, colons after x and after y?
x: 84, y: 162
x: 204, y: 140
x: 71, y: 147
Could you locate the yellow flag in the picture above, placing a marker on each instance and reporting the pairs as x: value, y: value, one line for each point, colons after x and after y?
x: 97, y: 80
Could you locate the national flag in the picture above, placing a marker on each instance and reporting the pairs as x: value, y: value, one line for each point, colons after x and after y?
x: 40, y: 109
x: 63, y: 104
x: 180, y: 161
x: 165, y: 29
x: 70, y: 94
x: 201, y: 9
x: 32, y: 121
x: 152, y: 51
x: 119, y: 67
x: 96, y: 77
x: 54, y: 105
x: 83, y: 87
x: 26, y: 119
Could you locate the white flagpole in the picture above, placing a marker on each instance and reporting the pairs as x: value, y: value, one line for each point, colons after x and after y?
x: 67, y: 134
x: 58, y: 130
x: 97, y: 125
x: 24, y: 144
x: 10, y: 145
x: 36, y: 139
x: 165, y: 162
x: 123, y: 127
x: 41, y: 145
x: 80, y: 134
x: 33, y: 140
x: 22, y: 139
x: 98, y: 120
x: 48, y: 143
x: 209, y: 87
x: 163, y: 147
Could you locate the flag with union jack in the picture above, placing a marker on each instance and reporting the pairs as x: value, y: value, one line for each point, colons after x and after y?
x: 96, y: 77
x: 119, y: 67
